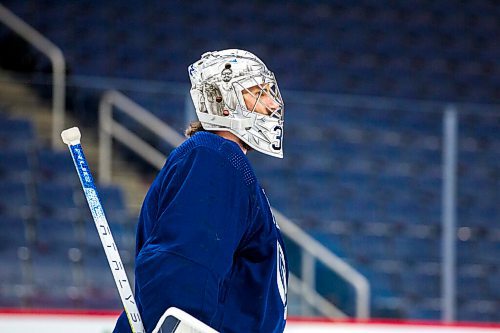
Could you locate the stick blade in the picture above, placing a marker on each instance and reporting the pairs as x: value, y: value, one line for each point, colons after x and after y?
x: 71, y: 136
x: 175, y: 320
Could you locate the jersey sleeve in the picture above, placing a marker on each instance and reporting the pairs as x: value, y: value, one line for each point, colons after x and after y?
x: 201, y: 217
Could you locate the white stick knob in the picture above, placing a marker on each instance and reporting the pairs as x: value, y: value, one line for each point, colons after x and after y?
x: 71, y: 136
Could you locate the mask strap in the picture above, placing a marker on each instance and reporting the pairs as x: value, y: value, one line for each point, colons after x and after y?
x: 232, y: 123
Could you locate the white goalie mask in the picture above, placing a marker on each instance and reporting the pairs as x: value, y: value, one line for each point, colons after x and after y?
x: 232, y: 90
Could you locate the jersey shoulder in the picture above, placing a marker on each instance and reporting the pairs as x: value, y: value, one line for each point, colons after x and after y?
x: 223, y: 149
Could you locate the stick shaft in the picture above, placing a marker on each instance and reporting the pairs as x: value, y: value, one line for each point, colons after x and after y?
x: 108, y: 243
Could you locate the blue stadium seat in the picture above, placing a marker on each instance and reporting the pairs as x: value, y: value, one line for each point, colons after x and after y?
x: 13, y: 232
x: 492, y: 284
x: 390, y: 307
x: 52, y: 232
x: 62, y: 297
x: 476, y: 310
x: 15, y: 200
x: 470, y: 286
x: 101, y: 299
x: 15, y: 165
x: 16, y: 134
x: 467, y: 251
x: 111, y: 197
x: 408, y: 248
x: 12, y: 266
x: 369, y: 247
x: 96, y: 270
x: 427, y: 309
x: 59, y: 200
x: 417, y: 284
x: 56, y: 167
x: 10, y: 296
x: 56, y: 265
x: 91, y: 235
x: 123, y: 234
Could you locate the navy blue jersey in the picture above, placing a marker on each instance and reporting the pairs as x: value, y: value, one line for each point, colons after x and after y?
x: 208, y: 243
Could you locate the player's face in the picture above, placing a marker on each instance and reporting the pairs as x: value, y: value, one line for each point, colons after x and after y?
x: 259, y: 99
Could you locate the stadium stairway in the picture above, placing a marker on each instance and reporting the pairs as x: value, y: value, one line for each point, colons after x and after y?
x: 21, y: 100
x: 49, y: 247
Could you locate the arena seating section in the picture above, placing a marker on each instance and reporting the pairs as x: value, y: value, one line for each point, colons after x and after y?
x: 50, y: 250
x: 344, y: 182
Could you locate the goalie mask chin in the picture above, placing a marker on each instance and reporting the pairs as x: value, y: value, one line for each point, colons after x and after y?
x: 232, y: 90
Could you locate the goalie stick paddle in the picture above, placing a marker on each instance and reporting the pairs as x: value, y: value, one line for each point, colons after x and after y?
x: 173, y: 320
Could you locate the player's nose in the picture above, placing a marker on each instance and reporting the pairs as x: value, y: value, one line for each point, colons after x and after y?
x: 271, y: 104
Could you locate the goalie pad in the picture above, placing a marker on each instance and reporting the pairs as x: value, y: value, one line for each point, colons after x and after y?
x: 175, y: 320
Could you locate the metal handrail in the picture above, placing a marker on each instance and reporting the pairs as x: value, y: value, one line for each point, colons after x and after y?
x: 328, y: 258
x: 449, y: 214
x: 56, y: 57
x: 109, y: 128
x: 312, y: 249
x: 314, y: 299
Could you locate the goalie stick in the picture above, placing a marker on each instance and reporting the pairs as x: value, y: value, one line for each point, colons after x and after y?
x: 173, y: 320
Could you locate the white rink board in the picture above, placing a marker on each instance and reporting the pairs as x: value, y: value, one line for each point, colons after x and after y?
x: 312, y: 327
x: 65, y: 322
x: 54, y: 323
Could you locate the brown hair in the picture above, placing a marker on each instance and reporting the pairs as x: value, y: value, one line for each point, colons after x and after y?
x: 194, y: 127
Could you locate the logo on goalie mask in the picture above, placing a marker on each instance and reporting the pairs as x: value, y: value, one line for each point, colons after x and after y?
x: 227, y: 73
x: 213, y: 99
